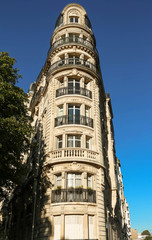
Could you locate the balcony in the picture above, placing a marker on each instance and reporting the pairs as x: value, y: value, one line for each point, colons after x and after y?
x: 77, y: 62
x: 73, y: 153
x: 73, y: 40
x: 80, y: 91
x: 73, y: 119
x: 73, y: 195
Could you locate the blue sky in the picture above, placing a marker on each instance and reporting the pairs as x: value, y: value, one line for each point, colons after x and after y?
x: 123, y: 31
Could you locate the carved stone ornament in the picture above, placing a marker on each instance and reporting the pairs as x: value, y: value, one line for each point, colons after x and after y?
x: 74, y: 167
x: 73, y: 13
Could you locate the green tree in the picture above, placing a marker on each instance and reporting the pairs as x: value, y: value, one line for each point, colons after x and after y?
x: 15, y: 128
x: 148, y: 238
x: 145, y: 232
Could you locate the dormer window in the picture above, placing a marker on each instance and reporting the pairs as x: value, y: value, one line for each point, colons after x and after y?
x: 74, y: 19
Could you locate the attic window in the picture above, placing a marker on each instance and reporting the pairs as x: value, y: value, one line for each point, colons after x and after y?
x: 74, y: 19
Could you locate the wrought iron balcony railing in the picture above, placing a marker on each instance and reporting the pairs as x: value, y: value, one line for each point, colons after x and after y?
x: 72, y: 39
x: 79, y: 91
x: 73, y: 119
x: 73, y: 61
x: 73, y: 195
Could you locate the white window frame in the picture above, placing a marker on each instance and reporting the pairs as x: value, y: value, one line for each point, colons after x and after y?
x: 74, y: 180
x: 75, y: 19
x: 90, y: 181
x: 73, y: 139
x: 88, y: 142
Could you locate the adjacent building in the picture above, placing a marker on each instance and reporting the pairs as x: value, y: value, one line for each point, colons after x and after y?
x: 74, y: 189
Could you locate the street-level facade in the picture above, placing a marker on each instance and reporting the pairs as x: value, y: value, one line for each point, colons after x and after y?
x: 73, y: 189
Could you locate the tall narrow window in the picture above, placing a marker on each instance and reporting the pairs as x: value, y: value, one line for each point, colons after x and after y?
x: 58, y: 180
x: 57, y: 227
x: 73, y: 141
x: 73, y: 86
x: 91, y: 220
x: 87, y: 111
x: 73, y: 114
x: 89, y: 181
x: 88, y: 142
x: 59, y: 141
x: 60, y: 110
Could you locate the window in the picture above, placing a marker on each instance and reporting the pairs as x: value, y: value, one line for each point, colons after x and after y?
x: 90, y: 227
x: 73, y: 226
x: 74, y: 19
x: 73, y: 141
x: 73, y: 114
x: 74, y: 60
x: 88, y: 142
x: 73, y: 37
x: 60, y: 110
x: 89, y: 181
x: 74, y: 180
x: 59, y: 141
x: 73, y: 86
x: 87, y: 114
x: 57, y: 227
x: 87, y: 111
x: 58, y: 181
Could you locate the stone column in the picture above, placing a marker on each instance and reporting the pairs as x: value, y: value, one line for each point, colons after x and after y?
x: 85, y: 226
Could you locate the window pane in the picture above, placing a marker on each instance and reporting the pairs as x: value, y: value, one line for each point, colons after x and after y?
x: 70, y: 180
x: 88, y: 142
x: 59, y: 141
x: 91, y: 235
x: 60, y: 110
x: 76, y: 19
x: 57, y: 227
x: 71, y: 19
x: 77, y: 143
x: 78, y: 180
x: 73, y: 227
x: 70, y: 141
x: 58, y: 180
x: 89, y: 181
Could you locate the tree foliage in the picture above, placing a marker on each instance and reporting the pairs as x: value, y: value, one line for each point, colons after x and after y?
x: 15, y: 126
x: 145, y: 232
x: 148, y: 238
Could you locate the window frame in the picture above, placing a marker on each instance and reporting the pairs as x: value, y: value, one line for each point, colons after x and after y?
x: 74, y: 139
x: 59, y: 140
x: 74, y: 19
x: 74, y: 180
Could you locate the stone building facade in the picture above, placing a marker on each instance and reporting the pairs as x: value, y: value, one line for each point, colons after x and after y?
x: 74, y: 188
